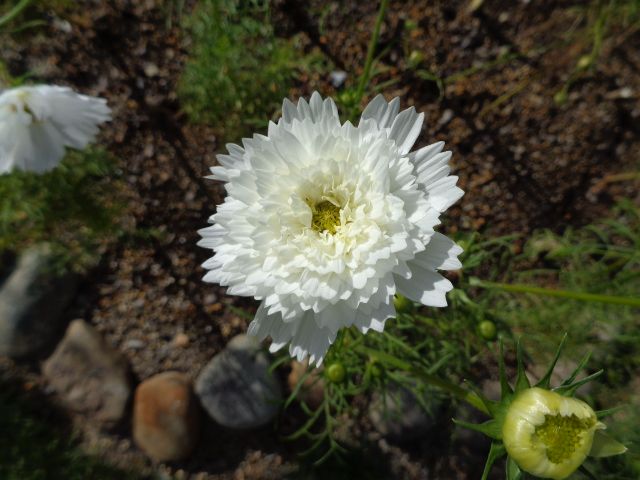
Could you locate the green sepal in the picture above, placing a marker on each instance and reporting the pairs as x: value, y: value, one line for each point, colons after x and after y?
x: 522, y: 382
x: 496, y: 451
x: 500, y: 412
x: 545, y: 381
x: 513, y: 470
x: 505, y: 388
x: 605, y: 446
x: 610, y: 411
x: 578, y: 369
x: 490, y: 405
x: 570, y: 390
x: 490, y: 428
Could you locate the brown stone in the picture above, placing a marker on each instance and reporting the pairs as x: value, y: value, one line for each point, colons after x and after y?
x: 166, y: 417
x: 181, y: 340
x: 90, y: 378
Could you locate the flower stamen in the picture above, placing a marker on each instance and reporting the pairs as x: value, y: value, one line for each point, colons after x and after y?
x: 326, y: 217
x: 563, y: 435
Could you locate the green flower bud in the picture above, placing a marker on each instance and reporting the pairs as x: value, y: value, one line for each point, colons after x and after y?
x: 336, y: 372
x: 585, y: 62
x: 548, y: 435
x: 561, y: 97
x: 487, y: 330
x: 415, y: 59
x: 410, y: 24
x: 402, y: 304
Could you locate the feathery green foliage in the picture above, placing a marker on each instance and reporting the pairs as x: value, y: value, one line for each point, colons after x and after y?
x: 238, y: 71
x: 72, y: 207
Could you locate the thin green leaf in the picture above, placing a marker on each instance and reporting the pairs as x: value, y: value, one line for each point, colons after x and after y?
x: 14, y: 12
x: 296, y: 389
x: 307, y: 425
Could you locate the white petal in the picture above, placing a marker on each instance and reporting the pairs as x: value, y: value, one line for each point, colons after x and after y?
x: 444, y: 193
x: 305, y: 337
x: 382, y: 112
x: 423, y: 155
x: 406, y: 128
x: 441, y: 253
x: 426, y: 287
x: 375, y: 319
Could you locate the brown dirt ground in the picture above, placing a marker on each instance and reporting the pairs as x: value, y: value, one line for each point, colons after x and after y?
x: 523, y: 161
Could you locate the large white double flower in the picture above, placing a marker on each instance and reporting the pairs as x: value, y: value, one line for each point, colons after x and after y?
x: 37, y: 123
x: 324, y: 222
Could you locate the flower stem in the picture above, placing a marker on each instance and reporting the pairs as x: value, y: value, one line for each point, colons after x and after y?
x: 429, y: 378
x: 586, y: 297
x: 366, y: 73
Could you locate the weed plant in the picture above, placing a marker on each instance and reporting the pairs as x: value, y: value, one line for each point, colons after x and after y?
x: 600, y: 18
x: 423, y: 348
x: 603, y: 258
x: 31, y: 447
x: 238, y: 70
x: 72, y: 207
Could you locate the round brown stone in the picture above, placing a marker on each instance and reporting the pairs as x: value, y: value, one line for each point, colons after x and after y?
x: 166, y: 417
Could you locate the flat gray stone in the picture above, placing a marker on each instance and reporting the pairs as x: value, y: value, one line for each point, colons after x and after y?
x: 236, y: 389
x: 89, y: 377
x: 32, y: 299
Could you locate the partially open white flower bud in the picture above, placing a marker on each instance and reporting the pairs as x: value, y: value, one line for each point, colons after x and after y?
x: 547, y: 434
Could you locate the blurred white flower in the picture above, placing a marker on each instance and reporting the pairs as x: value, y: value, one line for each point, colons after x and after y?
x: 324, y: 222
x: 37, y: 123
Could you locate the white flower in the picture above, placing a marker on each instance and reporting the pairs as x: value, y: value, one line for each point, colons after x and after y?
x: 36, y: 123
x: 324, y: 222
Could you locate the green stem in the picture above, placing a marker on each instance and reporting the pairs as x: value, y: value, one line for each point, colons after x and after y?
x: 14, y: 12
x: 366, y: 73
x: 429, y: 378
x: 586, y: 297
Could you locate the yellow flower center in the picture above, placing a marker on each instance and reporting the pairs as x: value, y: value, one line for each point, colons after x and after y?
x: 325, y: 217
x: 563, y: 435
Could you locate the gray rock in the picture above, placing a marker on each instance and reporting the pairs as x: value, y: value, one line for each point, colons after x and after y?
x: 90, y: 378
x: 236, y: 388
x: 166, y: 417
x: 399, y: 416
x: 32, y: 299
